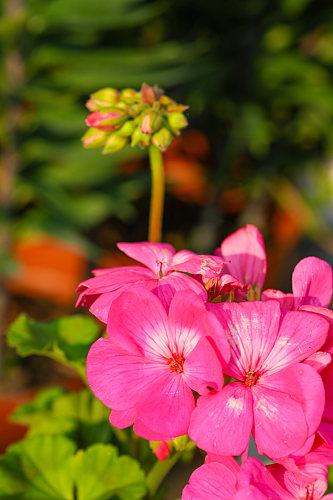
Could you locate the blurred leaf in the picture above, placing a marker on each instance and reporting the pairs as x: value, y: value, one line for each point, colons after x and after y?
x: 101, y: 474
x: 26, y: 414
x: 294, y: 7
x: 47, y: 468
x: 66, y: 339
x: 78, y: 415
x: 165, y: 64
x: 84, y: 15
x: 38, y: 468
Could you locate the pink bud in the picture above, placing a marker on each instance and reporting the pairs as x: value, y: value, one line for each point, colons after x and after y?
x: 162, y: 451
x: 106, y: 121
x: 147, y: 94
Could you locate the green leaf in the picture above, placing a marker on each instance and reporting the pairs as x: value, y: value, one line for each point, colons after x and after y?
x: 27, y: 413
x: 66, y: 339
x: 84, y: 15
x: 40, y: 467
x: 78, y: 415
x: 100, y: 473
x: 49, y: 468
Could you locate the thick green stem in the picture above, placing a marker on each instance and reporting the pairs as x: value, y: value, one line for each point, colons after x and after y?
x: 159, y: 471
x: 157, y: 194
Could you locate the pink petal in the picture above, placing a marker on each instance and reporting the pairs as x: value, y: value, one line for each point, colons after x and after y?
x: 99, y: 292
x: 328, y: 315
x: 222, y: 422
x: 286, y: 300
x: 325, y: 430
x: 138, y: 322
x: 308, y: 479
x: 254, y: 474
x: 279, y: 423
x: 210, y: 481
x: 190, y: 321
x: 166, y: 408
x: 142, y: 430
x: 301, y: 334
x: 303, y: 384
x: 318, y: 360
x: 202, y: 368
x: 229, y: 462
x: 174, y: 282
x: 312, y: 282
x: 327, y: 377
x: 156, y: 256
x: 303, y: 450
x: 209, y: 266
x: 251, y: 493
x: 122, y: 418
x: 117, y: 377
x: 102, y: 303
x: 252, y: 329
x: 245, y: 249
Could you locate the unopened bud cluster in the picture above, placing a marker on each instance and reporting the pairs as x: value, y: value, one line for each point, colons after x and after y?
x: 130, y: 117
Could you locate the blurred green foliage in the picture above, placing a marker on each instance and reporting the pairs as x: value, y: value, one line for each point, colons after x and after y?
x: 50, y: 467
x: 66, y: 339
x: 257, y: 76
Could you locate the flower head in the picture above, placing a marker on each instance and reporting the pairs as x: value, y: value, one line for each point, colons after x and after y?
x: 275, y: 397
x: 152, y: 360
x: 159, y: 275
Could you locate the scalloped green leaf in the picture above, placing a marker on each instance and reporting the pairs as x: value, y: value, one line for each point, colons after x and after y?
x: 66, y: 339
x: 78, y: 415
x: 39, y: 467
x: 102, y: 474
x: 50, y: 468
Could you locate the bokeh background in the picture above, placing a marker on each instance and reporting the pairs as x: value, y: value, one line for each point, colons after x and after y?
x: 258, y: 78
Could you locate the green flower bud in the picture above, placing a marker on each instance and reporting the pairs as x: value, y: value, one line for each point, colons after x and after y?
x: 166, y: 101
x: 102, y: 98
x: 162, y: 139
x: 150, y: 122
x: 94, y: 138
x: 129, y: 96
x: 177, y: 120
x: 127, y: 129
x: 139, y: 138
x: 108, y: 119
x: 115, y: 143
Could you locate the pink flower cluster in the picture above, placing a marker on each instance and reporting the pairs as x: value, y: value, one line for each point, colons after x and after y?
x: 195, y: 347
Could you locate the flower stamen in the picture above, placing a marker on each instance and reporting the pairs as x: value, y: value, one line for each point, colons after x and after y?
x: 251, y: 378
x: 176, y: 363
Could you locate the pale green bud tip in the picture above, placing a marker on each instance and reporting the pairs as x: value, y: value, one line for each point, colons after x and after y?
x: 115, y: 143
x: 94, y: 138
x: 162, y: 139
x: 102, y: 99
x: 150, y: 122
x: 177, y: 120
x: 140, y: 139
x: 129, y: 96
x: 127, y: 129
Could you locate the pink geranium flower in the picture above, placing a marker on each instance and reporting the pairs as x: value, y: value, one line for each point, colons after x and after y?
x: 152, y: 360
x: 244, y: 252
x: 224, y: 479
x: 275, y: 397
x: 312, y: 284
x: 159, y: 275
x: 308, y: 482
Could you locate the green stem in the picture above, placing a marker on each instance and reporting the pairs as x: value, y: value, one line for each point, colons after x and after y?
x: 159, y: 471
x: 157, y: 194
